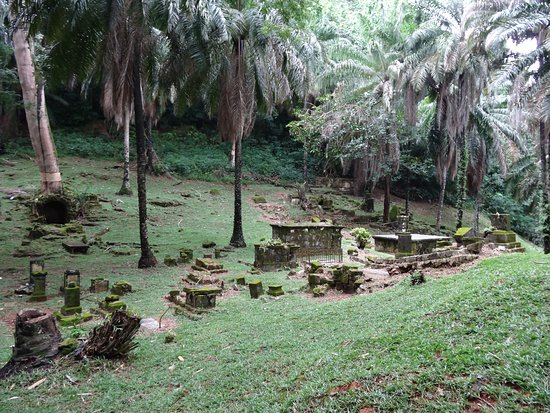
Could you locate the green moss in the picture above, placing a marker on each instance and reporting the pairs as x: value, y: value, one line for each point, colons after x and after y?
x: 259, y: 199
x: 460, y: 232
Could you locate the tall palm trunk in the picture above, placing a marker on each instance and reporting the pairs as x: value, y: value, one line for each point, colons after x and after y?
x: 147, y: 258
x: 443, y: 186
x: 461, y: 188
x: 544, y: 142
x: 126, y: 189
x: 476, y: 213
x: 237, y: 239
x: 387, y: 199
x: 152, y: 158
x: 37, y: 116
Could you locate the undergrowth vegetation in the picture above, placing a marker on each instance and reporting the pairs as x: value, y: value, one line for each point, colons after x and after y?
x: 188, y: 153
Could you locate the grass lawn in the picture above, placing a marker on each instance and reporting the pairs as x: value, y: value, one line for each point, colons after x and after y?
x: 473, y: 342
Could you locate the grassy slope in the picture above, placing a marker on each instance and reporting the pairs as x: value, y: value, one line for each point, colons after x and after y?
x: 475, y: 339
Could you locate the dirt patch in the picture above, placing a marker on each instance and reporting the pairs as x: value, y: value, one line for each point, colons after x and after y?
x: 273, y: 213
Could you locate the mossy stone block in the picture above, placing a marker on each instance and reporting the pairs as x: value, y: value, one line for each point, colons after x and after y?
x: 275, y: 290
x: 170, y: 262
x: 121, y: 288
x: 258, y: 199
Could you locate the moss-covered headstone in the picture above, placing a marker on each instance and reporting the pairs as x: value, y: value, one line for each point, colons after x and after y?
x: 256, y: 288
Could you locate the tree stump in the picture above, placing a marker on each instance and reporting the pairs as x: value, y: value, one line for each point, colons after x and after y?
x: 36, y: 340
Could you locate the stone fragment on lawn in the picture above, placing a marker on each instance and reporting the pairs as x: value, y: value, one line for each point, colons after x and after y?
x: 121, y: 288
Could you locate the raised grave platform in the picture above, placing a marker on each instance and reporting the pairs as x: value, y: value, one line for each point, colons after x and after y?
x: 420, y: 244
x: 317, y: 240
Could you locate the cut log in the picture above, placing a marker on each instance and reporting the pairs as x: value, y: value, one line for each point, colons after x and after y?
x: 36, y: 342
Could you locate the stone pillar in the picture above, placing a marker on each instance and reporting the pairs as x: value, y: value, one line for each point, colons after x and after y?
x: 39, y: 290
x: 404, y: 244
x: 35, y: 265
x: 369, y: 205
x: 72, y: 299
x: 240, y: 280
x: 402, y: 223
x: 256, y: 289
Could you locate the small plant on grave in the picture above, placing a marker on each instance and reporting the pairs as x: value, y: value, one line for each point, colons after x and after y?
x: 417, y: 278
x: 362, y: 237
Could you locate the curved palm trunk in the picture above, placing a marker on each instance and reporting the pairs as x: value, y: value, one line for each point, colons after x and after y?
x: 125, y: 189
x: 37, y: 116
x: 147, y: 258
x: 441, y: 201
x: 237, y: 239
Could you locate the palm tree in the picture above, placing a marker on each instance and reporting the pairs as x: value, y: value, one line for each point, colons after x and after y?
x: 255, y: 69
x: 103, y: 25
x: 447, y: 63
x: 32, y: 83
x: 516, y: 21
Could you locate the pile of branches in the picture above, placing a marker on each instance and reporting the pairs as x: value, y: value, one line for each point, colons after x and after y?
x: 112, y: 339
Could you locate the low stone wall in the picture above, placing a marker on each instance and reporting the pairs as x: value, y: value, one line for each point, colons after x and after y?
x: 275, y: 257
x: 317, y: 241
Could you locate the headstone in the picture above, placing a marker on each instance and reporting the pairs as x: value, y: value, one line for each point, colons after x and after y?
x: 35, y: 265
x: 71, y: 276
x: 275, y: 290
x: 99, y: 285
x: 395, y: 211
x: 240, y: 280
x: 501, y: 221
x: 72, y: 299
x: 404, y: 244
x: 217, y: 253
x: 112, y: 302
x: 256, y: 289
x: 39, y: 290
x: 369, y: 205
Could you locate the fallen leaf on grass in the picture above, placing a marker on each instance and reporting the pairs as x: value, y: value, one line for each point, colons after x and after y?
x: 35, y: 385
x: 354, y: 385
x: 366, y: 410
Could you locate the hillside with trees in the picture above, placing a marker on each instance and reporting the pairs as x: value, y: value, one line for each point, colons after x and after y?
x: 320, y: 205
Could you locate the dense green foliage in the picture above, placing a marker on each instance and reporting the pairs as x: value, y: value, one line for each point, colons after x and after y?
x: 189, y: 153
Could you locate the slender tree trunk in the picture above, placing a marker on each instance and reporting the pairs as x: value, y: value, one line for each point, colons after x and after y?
x: 125, y: 189
x: 476, y: 213
x: 441, y: 201
x: 387, y: 200
x: 544, y: 143
x: 544, y: 139
x: 147, y: 258
x: 306, y: 177
x: 152, y: 157
x: 461, y: 189
x: 407, y: 193
x: 37, y: 116
x: 237, y: 239
x: 232, y: 155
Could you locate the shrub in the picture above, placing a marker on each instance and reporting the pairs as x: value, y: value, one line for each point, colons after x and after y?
x: 362, y: 236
